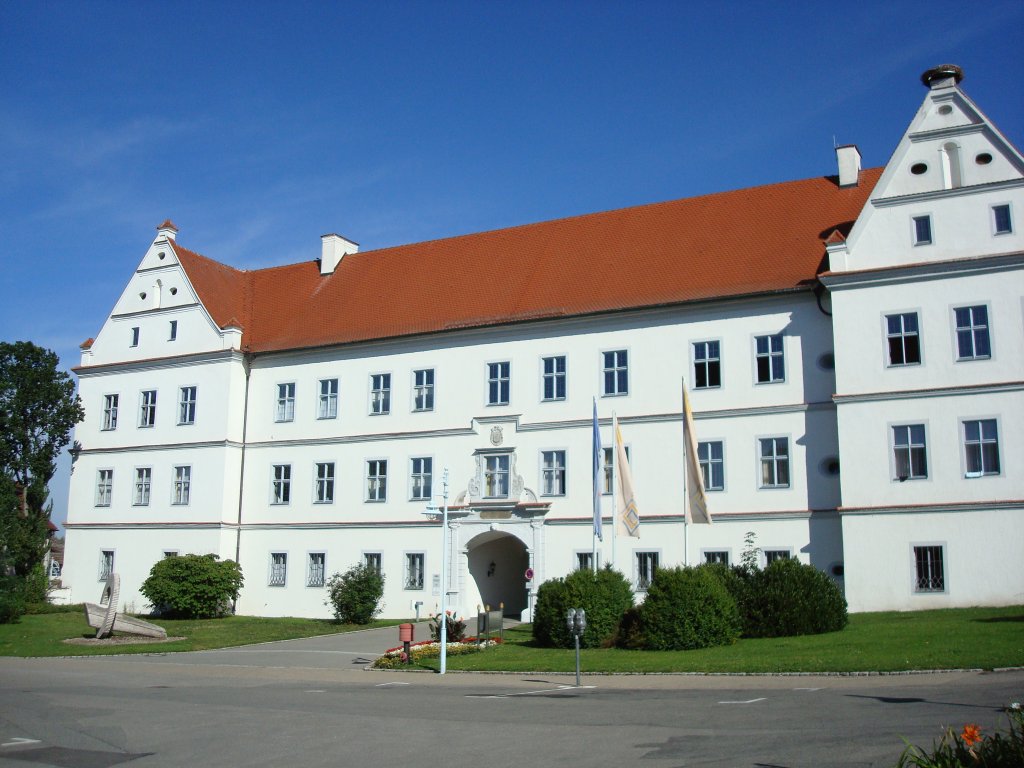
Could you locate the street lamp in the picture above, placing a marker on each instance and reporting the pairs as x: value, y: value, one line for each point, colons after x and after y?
x: 432, y: 510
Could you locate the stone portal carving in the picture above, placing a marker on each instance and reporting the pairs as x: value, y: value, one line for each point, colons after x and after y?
x: 106, y: 620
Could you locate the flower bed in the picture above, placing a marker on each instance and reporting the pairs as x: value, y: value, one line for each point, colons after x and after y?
x: 394, y: 658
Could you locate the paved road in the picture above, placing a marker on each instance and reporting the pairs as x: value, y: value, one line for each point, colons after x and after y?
x: 309, y: 702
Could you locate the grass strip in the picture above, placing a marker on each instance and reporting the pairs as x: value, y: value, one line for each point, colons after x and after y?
x: 43, y: 635
x: 967, y: 638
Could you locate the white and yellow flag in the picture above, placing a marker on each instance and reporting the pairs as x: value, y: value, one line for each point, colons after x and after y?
x: 696, y: 500
x: 627, y: 516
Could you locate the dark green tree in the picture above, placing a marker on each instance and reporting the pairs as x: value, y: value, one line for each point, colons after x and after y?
x: 38, y: 409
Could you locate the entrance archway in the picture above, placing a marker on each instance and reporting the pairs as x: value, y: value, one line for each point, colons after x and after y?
x: 497, y: 565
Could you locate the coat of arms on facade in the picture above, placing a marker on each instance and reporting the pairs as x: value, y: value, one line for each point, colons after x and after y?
x: 496, y: 436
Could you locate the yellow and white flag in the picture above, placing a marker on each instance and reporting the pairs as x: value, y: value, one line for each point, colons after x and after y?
x: 627, y: 516
x: 696, y: 500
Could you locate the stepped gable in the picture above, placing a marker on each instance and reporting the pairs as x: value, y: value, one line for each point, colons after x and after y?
x: 749, y: 241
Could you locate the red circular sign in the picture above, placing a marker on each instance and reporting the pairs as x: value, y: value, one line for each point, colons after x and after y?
x: 529, y: 574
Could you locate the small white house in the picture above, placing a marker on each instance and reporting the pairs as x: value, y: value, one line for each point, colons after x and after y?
x: 857, y: 393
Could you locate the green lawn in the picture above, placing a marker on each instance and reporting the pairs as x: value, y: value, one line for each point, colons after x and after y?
x: 42, y: 635
x: 970, y: 638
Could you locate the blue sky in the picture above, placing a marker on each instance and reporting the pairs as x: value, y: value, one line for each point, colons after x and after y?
x: 259, y: 126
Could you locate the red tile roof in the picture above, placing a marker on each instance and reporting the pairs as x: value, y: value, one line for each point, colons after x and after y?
x: 750, y: 241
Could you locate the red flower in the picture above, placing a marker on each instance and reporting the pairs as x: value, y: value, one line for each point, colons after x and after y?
x: 971, y: 735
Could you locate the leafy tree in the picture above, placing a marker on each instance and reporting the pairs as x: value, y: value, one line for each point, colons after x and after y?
x: 38, y: 409
x: 192, y: 586
x: 355, y: 594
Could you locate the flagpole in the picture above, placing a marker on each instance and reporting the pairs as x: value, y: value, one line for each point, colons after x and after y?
x: 615, y: 483
x: 598, y: 476
x: 686, y: 495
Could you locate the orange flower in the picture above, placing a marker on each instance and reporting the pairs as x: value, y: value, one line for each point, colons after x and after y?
x: 971, y: 735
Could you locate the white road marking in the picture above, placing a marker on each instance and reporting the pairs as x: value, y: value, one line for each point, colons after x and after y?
x: 749, y: 701
x: 316, y: 691
x: 385, y: 685
x: 807, y: 689
x: 559, y: 689
x: 17, y: 741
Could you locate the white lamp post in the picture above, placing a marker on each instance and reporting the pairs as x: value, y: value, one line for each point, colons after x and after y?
x: 444, y: 569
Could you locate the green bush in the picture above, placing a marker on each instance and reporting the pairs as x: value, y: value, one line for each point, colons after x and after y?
x: 36, y: 609
x: 355, y: 594
x: 454, y: 628
x: 688, y: 608
x: 630, y: 634
x: 12, y: 599
x: 738, y: 581
x: 192, y: 586
x: 793, y: 598
x: 605, y: 596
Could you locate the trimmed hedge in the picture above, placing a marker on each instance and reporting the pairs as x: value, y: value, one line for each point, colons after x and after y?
x: 192, y: 586
x: 793, y: 598
x: 605, y: 596
x: 688, y: 608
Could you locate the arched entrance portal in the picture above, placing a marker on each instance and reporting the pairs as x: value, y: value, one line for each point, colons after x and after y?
x: 497, y: 565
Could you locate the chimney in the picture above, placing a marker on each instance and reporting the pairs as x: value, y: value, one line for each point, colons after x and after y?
x: 849, y: 165
x: 334, y: 249
x: 167, y: 229
x: 942, y: 76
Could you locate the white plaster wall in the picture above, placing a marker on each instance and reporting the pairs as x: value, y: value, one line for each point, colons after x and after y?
x: 860, y: 332
x: 135, y: 552
x: 982, y: 559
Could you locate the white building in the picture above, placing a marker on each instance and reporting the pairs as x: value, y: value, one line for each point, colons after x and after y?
x: 298, y: 418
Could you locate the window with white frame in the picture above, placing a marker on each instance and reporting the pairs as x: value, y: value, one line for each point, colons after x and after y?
x: 770, y: 359
x: 380, y: 394
x: 720, y: 556
x: 328, y: 407
x: 607, y: 458
x: 377, y: 480
x: 496, y: 472
x: 173, y: 332
x: 707, y: 365
x: 981, y: 447
x: 711, y: 457
x: 646, y: 565
x: 922, y: 230
x: 373, y: 560
x: 147, y: 408
x: 499, y: 379
x: 143, y: 481
x: 972, y: 333
x: 414, y: 570
x: 182, y: 485
x: 929, y: 574
x: 771, y: 555
x: 910, y: 457
x: 187, y: 406
x: 903, y: 338
x: 323, y: 492
x: 110, y: 412
x: 316, y: 569
x: 281, y: 484
x: 285, y: 402
x: 278, y: 569
x: 584, y: 561
x: 106, y: 569
x: 1001, y: 222
x: 104, y: 487
x: 615, y: 373
x: 774, y: 457
x: 554, y: 377
x: 421, y: 477
x: 552, y: 473
x: 135, y: 336
x: 423, y: 389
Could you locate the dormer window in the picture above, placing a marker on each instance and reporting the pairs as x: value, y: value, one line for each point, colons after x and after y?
x: 1001, y: 219
x: 922, y: 230
x: 135, y: 336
